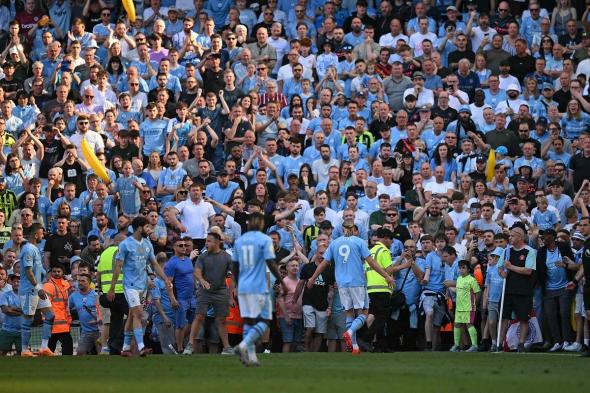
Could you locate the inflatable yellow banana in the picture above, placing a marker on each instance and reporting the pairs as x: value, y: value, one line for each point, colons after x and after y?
x: 130, y: 9
x: 491, y: 165
x: 92, y: 160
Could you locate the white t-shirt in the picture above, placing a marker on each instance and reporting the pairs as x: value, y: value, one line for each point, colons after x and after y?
x: 390, y: 41
x: 479, y: 35
x: 92, y: 137
x: 439, y: 188
x: 458, y: 218
x: 195, y: 217
x: 393, y: 190
x: 416, y: 42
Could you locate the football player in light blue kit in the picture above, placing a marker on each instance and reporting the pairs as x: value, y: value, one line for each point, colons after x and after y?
x: 348, y: 253
x: 253, y: 252
x: 132, y: 258
x: 31, y: 293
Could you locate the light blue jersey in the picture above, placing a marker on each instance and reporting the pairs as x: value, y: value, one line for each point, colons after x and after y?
x: 251, y: 251
x: 129, y: 194
x: 135, y: 256
x: 437, y: 273
x: 494, y: 284
x: 349, y: 254
x: 153, y: 133
x: 86, y: 306
x: 30, y: 256
x: 11, y: 323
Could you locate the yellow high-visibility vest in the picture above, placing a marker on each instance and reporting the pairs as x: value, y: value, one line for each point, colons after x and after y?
x: 105, y: 270
x: 375, y: 281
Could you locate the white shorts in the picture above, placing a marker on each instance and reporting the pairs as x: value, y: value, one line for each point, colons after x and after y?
x: 135, y: 297
x: 312, y: 318
x: 354, y: 298
x: 255, y: 305
x: 31, y: 302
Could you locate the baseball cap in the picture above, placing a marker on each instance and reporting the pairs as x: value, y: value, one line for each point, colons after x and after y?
x: 523, y: 179
x: 424, y: 108
x: 451, y: 8
x: 172, y: 9
x: 465, y: 108
x: 418, y: 74
x: 347, y: 48
x: 548, y: 86
x: 152, y: 199
x: 92, y: 44
x: 13, y: 50
x: 542, y: 120
x: 74, y: 259
x: 513, y: 87
x: 525, y: 163
x: 502, y: 150
x: 480, y: 158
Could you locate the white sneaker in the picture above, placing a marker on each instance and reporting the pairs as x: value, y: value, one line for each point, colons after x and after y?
x: 188, y: 350
x: 573, y: 347
x: 227, y: 351
x: 555, y: 348
x: 454, y: 348
x: 266, y: 351
x: 472, y: 348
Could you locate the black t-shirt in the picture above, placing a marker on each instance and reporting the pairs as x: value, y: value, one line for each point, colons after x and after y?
x: 448, y: 114
x: 54, y: 152
x: 580, y: 166
x: 317, y: 296
x: 125, y: 153
x: 213, y: 81
x: 74, y: 174
x: 11, y: 86
x: 61, y: 246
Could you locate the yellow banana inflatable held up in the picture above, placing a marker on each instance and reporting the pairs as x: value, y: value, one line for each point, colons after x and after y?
x: 92, y: 160
x: 130, y: 9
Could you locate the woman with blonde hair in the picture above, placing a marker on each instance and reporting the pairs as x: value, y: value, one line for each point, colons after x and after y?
x: 531, y: 92
x: 575, y: 121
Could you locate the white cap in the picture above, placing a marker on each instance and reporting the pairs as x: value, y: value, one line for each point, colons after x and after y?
x: 513, y: 86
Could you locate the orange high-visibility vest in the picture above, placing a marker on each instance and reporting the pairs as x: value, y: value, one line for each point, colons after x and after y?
x: 57, y: 290
x: 234, y: 321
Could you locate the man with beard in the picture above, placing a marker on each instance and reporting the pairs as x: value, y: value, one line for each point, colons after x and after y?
x: 464, y: 124
x: 502, y: 136
x: 132, y: 259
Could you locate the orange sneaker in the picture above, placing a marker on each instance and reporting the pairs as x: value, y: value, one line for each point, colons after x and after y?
x: 46, y: 352
x: 356, y: 350
x: 347, y: 337
x: 27, y: 354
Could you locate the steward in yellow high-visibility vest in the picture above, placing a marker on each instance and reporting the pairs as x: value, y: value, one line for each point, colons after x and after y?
x: 118, y: 306
x: 379, y: 291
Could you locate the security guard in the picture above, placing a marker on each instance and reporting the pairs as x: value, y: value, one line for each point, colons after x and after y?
x: 379, y: 291
x: 118, y: 306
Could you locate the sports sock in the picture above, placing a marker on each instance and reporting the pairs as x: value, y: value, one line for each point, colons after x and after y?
x: 127, y: 336
x: 472, y: 334
x: 252, y: 352
x: 25, y: 333
x: 349, y: 321
x: 47, y: 326
x: 457, y: 336
x: 44, y: 343
x: 245, y: 330
x: 358, y: 323
x: 494, y: 342
x: 255, y: 333
x: 138, y: 333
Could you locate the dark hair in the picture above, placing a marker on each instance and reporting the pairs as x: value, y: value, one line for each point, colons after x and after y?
x: 138, y: 222
x: 115, y: 59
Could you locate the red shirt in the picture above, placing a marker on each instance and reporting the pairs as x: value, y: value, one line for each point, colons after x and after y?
x: 27, y: 22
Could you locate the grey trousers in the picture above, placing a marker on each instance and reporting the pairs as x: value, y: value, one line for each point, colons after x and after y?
x: 167, y: 338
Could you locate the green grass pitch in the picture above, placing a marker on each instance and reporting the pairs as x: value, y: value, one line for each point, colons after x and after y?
x: 301, y: 373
